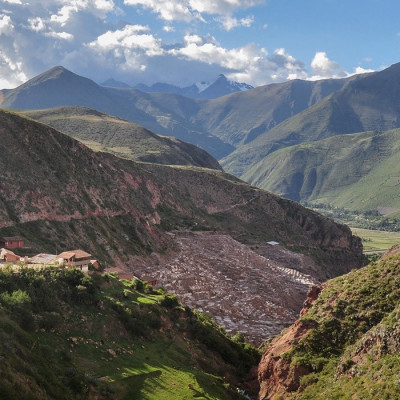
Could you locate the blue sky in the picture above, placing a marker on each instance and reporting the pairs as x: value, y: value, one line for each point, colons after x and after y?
x: 187, y: 41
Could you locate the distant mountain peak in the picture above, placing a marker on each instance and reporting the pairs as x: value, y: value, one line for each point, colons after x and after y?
x: 221, y: 87
x: 111, y: 82
x: 203, y: 89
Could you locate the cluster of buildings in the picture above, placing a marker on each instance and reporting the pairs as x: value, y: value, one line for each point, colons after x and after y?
x: 74, y: 258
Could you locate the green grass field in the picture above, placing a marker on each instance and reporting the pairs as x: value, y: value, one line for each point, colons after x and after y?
x: 376, y: 241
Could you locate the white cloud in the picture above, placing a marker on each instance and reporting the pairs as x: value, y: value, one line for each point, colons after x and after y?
x: 59, y: 35
x: 63, y: 15
x: 6, y: 25
x: 361, y: 70
x: 168, y: 28
x: 246, y: 64
x: 11, y: 73
x: 193, y: 39
x: 126, y: 50
x: 187, y: 10
x: 36, y: 24
x: 38, y: 35
x: 99, y: 8
x: 222, y: 7
x: 324, y: 68
x: 168, y: 10
x: 229, y: 22
x: 129, y: 38
x: 78, y: 35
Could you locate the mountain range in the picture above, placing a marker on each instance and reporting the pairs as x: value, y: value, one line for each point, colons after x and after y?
x: 355, y: 171
x: 293, y: 158
x: 217, y: 125
x: 202, y: 90
x: 256, y: 134
x: 160, y: 113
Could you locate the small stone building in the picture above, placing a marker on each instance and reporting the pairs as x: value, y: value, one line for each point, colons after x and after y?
x: 8, y: 256
x: 75, y: 258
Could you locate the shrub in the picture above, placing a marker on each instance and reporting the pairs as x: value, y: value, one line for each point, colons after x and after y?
x: 49, y: 320
x: 169, y: 301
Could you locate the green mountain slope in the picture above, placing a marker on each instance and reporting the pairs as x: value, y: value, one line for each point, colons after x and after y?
x: 357, y: 171
x: 241, y: 117
x: 368, y: 103
x: 67, y: 335
x: 345, y: 345
x: 102, y: 132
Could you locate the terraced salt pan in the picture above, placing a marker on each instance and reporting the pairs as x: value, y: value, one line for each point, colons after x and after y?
x: 242, y: 290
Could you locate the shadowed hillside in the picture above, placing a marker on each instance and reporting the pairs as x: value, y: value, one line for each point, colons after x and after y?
x: 60, y: 195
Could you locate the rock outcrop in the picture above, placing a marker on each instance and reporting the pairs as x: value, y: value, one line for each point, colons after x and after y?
x: 276, y: 374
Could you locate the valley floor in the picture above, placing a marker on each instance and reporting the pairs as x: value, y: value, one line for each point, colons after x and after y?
x: 375, y: 241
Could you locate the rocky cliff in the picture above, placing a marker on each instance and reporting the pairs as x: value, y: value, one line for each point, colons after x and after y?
x: 276, y: 374
x: 346, y: 342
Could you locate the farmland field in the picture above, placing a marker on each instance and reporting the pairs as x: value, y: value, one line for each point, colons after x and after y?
x: 376, y: 241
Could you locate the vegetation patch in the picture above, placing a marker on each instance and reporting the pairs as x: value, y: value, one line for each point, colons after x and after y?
x: 69, y: 335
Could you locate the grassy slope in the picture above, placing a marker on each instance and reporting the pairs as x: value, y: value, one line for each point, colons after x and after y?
x: 353, y: 350
x: 241, y: 117
x: 98, y: 336
x: 102, y: 132
x: 357, y: 171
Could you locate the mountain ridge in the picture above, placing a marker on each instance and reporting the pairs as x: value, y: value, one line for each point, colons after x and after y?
x: 333, y: 170
x: 217, y: 125
x: 202, y: 90
x: 103, y: 132
x: 364, y: 104
x: 60, y: 87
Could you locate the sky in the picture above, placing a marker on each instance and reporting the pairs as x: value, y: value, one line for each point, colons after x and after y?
x: 182, y: 42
